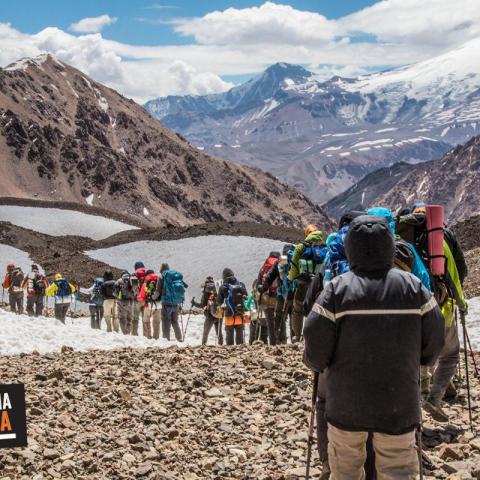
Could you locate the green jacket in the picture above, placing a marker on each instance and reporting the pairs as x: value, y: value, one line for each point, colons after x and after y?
x: 314, y: 237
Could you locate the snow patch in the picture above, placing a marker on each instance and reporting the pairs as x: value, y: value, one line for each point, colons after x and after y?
x: 146, y: 212
x: 18, y: 257
x: 89, y: 199
x: 57, y: 222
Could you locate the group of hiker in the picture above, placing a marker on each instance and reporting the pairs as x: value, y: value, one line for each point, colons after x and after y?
x: 142, y: 297
x: 37, y: 287
x: 380, y: 333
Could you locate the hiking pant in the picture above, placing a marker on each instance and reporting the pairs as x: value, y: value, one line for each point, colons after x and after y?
x: 96, y: 314
x: 109, y: 314
x: 16, y: 302
x: 35, y: 305
x: 210, y: 322
x: 61, y: 310
x: 446, y: 365
x: 322, y: 425
x: 395, y: 455
x: 137, y: 317
x: 258, y: 331
x: 281, y: 320
x: 125, y: 315
x: 297, y: 308
x: 234, y: 334
x: 170, y: 319
x: 151, y: 316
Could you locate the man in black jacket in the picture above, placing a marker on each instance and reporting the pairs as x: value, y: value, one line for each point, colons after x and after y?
x: 373, y: 327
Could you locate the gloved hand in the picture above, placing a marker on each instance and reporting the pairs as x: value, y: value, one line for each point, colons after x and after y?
x: 463, y: 308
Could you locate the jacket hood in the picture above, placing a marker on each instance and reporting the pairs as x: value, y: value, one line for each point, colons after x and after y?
x: 316, y: 236
x: 385, y: 213
x: 369, y: 244
x: 227, y: 274
x: 347, y: 218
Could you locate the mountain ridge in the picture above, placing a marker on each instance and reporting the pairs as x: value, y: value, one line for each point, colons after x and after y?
x: 65, y: 137
x: 324, y: 136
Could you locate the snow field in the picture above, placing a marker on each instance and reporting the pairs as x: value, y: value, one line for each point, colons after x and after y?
x: 58, y: 222
x: 14, y: 255
x: 24, y: 334
x: 195, y: 257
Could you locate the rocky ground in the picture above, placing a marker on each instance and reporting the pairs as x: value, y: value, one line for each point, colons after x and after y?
x: 195, y: 413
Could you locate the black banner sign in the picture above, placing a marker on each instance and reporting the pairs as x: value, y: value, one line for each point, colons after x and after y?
x: 13, y: 421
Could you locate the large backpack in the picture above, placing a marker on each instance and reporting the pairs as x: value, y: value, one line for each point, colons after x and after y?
x: 38, y: 284
x: 124, y: 288
x: 313, y: 257
x: 214, y: 309
x: 235, y: 298
x: 97, y: 292
x: 150, y: 285
x: 63, y: 288
x: 267, y: 266
x: 173, y: 288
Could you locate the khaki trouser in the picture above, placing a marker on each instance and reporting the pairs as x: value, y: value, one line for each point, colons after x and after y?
x: 395, y: 455
x: 151, y: 316
x: 125, y: 314
x: 137, y: 316
x: 109, y: 314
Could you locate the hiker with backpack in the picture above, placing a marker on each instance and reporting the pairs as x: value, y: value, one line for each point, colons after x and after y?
x: 448, y: 290
x: 13, y: 284
x: 124, y: 295
x: 307, y: 259
x: 137, y: 280
x: 365, y: 320
x: 62, y: 292
x: 233, y: 294
x: 95, y: 304
x: 170, y: 290
x: 278, y: 275
x: 109, y: 310
x: 213, y: 314
x: 150, y: 308
x: 268, y: 297
x: 35, y: 284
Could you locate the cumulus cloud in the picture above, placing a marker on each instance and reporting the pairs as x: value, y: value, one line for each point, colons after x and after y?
x: 92, y: 24
x: 245, y: 41
x: 438, y: 23
x: 268, y: 24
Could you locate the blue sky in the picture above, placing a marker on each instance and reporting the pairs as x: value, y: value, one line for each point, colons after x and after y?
x: 147, y: 48
x: 36, y: 15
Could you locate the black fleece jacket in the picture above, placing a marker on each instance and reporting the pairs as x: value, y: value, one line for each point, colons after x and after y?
x: 373, y: 327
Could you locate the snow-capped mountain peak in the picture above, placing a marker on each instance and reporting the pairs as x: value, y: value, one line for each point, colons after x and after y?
x: 323, y: 136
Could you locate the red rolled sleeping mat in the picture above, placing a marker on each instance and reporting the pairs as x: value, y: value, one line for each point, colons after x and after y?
x: 435, y: 217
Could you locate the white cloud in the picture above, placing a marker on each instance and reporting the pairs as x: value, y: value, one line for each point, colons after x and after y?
x: 268, y: 24
x: 438, y: 23
x: 92, y: 24
x: 245, y: 41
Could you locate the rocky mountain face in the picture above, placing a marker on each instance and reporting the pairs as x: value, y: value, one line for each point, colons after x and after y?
x: 453, y: 181
x: 324, y: 136
x: 65, y: 137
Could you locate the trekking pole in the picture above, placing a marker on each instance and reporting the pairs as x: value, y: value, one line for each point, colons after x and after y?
x: 465, y: 348
x: 420, y: 432
x: 188, y: 320
x: 316, y: 376
x: 472, y: 354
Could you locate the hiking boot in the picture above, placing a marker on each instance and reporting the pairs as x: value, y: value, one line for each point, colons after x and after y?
x: 436, y: 411
x: 325, y: 467
x: 295, y: 339
x: 450, y: 392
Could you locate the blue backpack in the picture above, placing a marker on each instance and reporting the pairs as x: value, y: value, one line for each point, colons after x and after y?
x: 316, y: 253
x: 97, y: 297
x: 63, y: 288
x: 173, y: 288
